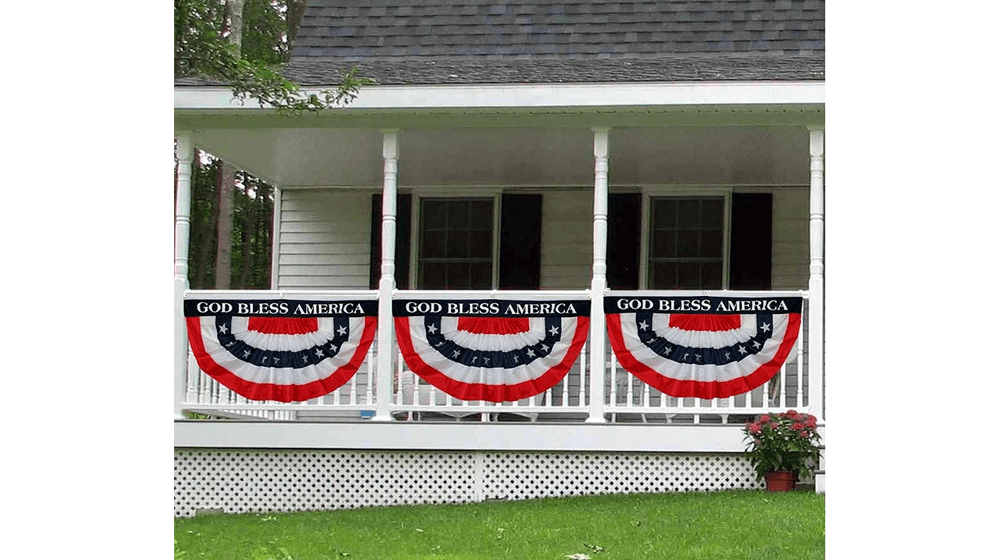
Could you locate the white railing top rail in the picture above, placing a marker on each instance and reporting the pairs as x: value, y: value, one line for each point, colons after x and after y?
x: 493, y: 294
x: 280, y: 294
x: 712, y: 293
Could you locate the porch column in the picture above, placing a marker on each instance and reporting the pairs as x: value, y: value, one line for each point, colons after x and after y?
x: 816, y: 252
x: 182, y: 236
x: 275, y: 236
x: 599, y: 282
x: 387, y: 282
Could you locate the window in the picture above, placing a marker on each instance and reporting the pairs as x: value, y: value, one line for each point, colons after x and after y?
x: 686, y: 243
x: 455, y: 250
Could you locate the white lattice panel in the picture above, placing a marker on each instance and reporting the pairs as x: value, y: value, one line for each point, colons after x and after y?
x: 270, y: 480
x: 241, y: 481
x: 520, y: 476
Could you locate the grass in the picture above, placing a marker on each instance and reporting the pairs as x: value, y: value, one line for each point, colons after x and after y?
x: 735, y: 524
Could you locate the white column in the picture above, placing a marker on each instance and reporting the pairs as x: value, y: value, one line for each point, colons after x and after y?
x: 387, y: 282
x: 599, y: 281
x: 275, y: 237
x: 182, y: 237
x: 816, y: 252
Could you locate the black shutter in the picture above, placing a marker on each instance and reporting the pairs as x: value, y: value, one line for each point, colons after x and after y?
x: 520, y: 241
x: 624, y: 232
x: 750, y: 242
x: 403, y: 213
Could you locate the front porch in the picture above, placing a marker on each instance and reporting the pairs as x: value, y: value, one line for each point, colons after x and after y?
x: 583, y: 190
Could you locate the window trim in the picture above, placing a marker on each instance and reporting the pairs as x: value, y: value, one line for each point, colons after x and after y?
x: 458, y: 193
x: 650, y: 193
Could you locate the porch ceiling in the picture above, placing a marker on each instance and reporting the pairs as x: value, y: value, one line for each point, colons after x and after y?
x: 704, y: 155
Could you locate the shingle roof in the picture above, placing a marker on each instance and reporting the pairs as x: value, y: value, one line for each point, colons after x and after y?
x: 533, y: 41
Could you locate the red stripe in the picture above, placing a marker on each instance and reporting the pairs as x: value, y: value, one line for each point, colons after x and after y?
x: 494, y: 325
x: 699, y: 322
x: 272, y: 391
x: 283, y: 325
x: 701, y: 389
x: 482, y: 391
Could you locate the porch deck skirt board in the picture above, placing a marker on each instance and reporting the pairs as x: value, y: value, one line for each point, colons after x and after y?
x: 272, y: 480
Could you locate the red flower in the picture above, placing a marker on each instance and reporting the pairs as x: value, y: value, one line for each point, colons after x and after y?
x: 773, y: 425
x: 793, y: 415
x: 798, y: 426
x: 811, y: 422
x: 756, y: 442
x: 764, y: 418
x: 754, y: 428
x: 804, y: 434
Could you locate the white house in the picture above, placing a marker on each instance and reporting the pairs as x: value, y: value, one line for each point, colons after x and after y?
x: 571, y: 149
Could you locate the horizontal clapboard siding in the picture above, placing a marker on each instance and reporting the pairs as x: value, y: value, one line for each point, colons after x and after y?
x: 567, y: 233
x: 790, y: 257
x: 324, y: 241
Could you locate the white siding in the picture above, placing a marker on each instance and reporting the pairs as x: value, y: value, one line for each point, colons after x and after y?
x: 567, y: 239
x: 790, y: 239
x: 325, y: 239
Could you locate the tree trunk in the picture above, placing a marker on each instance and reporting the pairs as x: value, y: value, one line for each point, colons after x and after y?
x: 224, y: 249
x: 292, y: 18
x: 223, y: 259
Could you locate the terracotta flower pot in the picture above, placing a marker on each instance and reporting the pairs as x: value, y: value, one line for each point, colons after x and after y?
x: 781, y: 481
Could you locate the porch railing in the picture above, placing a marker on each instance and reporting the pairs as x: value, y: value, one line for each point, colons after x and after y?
x: 626, y: 398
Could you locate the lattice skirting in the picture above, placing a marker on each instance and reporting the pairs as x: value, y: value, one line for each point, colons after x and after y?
x: 241, y: 481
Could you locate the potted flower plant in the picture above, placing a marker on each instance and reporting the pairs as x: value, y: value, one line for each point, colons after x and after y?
x: 782, y: 446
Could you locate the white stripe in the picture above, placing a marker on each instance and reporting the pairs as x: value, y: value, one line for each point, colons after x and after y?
x: 283, y: 342
x: 490, y: 375
x: 493, y: 342
x: 280, y: 375
x: 702, y: 372
x: 703, y: 339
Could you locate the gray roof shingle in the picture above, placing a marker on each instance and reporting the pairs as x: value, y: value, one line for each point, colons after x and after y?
x: 399, y: 42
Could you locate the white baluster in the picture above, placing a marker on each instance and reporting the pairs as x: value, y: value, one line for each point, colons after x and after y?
x: 564, y: 401
x: 799, y: 364
x: 193, y: 373
x: 628, y: 391
x: 583, y: 376
x: 370, y: 377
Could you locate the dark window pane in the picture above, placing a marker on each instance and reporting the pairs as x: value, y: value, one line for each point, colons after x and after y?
x: 433, y: 276
x: 711, y: 243
x: 458, y: 244
x: 711, y: 212
x: 664, y: 276
x: 481, y: 244
x: 688, y: 275
x: 434, y: 214
x: 664, y: 213
x: 434, y: 244
x: 687, y: 243
x: 711, y: 276
x: 664, y: 244
x: 688, y: 213
x: 458, y: 214
x: 481, y: 214
x: 458, y: 276
x: 481, y: 276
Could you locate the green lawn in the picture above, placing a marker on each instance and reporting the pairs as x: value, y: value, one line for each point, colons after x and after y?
x: 737, y: 524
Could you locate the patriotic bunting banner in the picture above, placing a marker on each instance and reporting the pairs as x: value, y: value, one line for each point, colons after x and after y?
x: 705, y: 347
x: 491, y: 350
x: 280, y: 350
